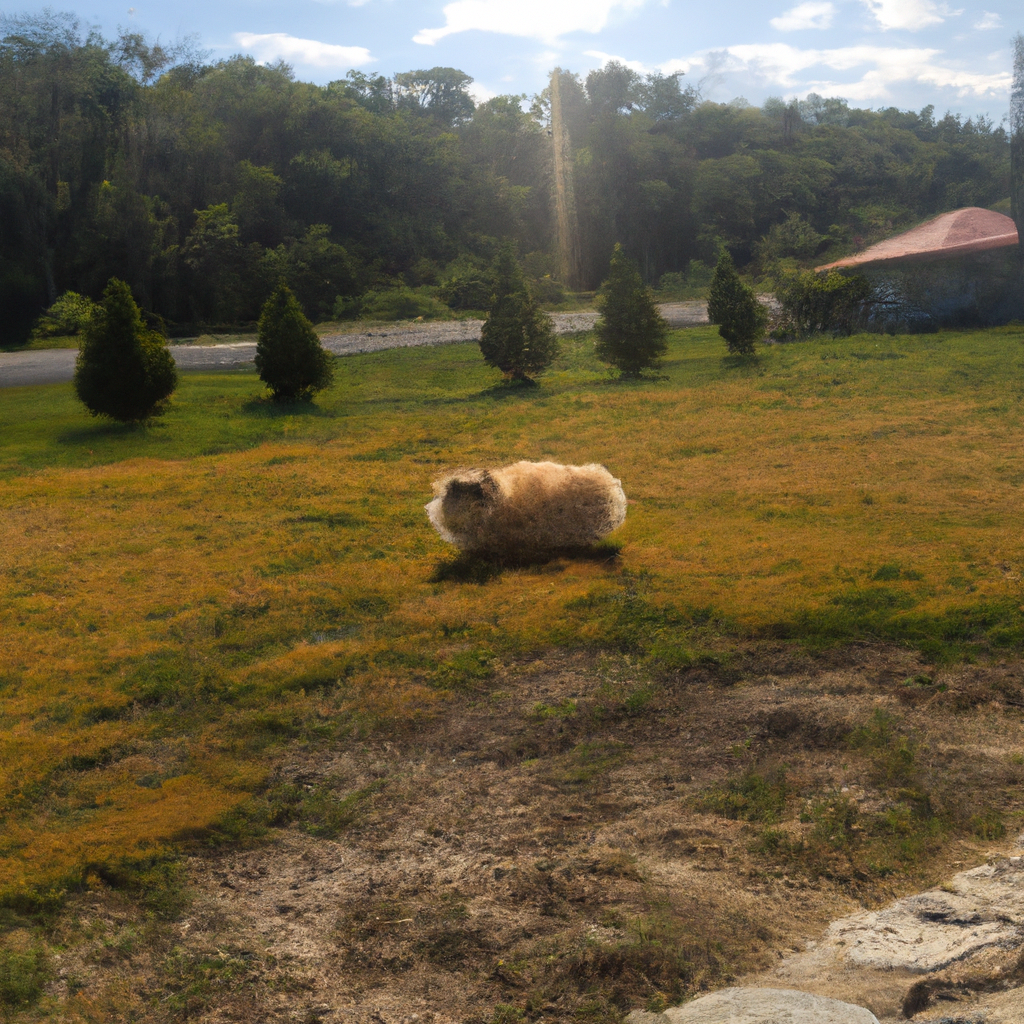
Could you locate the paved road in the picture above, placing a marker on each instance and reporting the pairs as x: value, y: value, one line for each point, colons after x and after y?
x: 55, y: 365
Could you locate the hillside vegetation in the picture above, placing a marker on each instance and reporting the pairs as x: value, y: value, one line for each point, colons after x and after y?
x: 201, y: 183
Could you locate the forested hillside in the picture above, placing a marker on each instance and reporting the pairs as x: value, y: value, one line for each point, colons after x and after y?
x: 202, y: 184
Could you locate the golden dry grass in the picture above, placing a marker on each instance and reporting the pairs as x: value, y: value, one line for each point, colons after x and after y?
x: 172, y: 619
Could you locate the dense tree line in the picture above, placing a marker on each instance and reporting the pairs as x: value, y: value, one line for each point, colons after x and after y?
x: 203, y: 185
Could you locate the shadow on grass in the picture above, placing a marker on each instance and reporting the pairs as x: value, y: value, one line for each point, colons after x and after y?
x: 269, y: 409
x: 626, y: 379
x: 741, y: 361
x: 482, y: 568
x: 103, y: 429
x: 508, y: 389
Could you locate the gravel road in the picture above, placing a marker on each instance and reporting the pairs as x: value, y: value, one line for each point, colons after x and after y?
x: 52, y: 366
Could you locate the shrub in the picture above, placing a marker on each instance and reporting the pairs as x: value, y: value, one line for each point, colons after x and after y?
x: 402, y: 303
x: 68, y: 315
x: 688, y: 284
x: 541, y: 269
x: 741, y: 319
x: 466, y: 284
x: 794, y: 237
x: 124, y: 370
x: 631, y: 331
x: 289, y: 357
x: 517, y: 337
x: 23, y: 975
x: 832, y: 303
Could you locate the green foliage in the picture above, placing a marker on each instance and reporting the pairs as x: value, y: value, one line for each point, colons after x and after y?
x: 289, y: 357
x: 828, y: 303
x: 793, y: 237
x: 243, y: 161
x: 517, y: 337
x: 124, y: 370
x: 68, y: 315
x: 466, y: 284
x: 741, y: 319
x: 752, y: 797
x: 631, y: 332
x: 316, y: 269
x: 692, y: 283
x: 23, y: 973
x: 213, y: 257
x: 399, y: 304
x: 1017, y: 139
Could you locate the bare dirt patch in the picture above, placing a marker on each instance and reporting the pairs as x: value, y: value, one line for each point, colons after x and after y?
x: 574, y: 840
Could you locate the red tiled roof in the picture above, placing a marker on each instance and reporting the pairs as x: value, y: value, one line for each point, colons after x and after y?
x: 952, y: 234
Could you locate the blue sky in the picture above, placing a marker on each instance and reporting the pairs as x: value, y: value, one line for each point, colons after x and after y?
x: 875, y: 53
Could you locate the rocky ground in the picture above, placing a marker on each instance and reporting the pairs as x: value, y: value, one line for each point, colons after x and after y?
x: 547, y: 850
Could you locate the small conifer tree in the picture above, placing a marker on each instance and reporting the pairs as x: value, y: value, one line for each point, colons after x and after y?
x: 517, y: 338
x: 289, y: 357
x: 631, y: 331
x: 741, y: 319
x: 124, y: 369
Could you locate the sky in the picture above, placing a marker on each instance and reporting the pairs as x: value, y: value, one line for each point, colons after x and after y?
x: 874, y: 53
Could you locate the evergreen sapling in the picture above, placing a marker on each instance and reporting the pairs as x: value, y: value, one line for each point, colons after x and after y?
x: 631, y: 332
x: 517, y: 338
x: 741, y: 319
x: 124, y: 369
x: 289, y: 357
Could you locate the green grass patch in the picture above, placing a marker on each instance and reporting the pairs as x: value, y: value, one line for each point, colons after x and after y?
x: 194, y: 595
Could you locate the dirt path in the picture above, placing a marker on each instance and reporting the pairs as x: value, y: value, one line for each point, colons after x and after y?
x: 52, y: 366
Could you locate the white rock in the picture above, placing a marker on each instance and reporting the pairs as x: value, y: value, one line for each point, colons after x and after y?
x: 759, y: 1006
x: 979, y: 909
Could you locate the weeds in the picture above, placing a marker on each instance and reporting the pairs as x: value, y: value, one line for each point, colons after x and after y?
x: 752, y: 797
x: 23, y: 975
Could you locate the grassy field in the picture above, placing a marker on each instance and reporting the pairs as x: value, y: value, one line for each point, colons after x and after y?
x: 187, y: 601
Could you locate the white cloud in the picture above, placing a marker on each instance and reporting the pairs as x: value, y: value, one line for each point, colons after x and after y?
x: 807, y: 15
x: 480, y: 93
x: 606, y: 58
x: 546, y: 20
x: 989, y: 20
x: 280, y: 46
x: 908, y: 14
x: 779, y: 65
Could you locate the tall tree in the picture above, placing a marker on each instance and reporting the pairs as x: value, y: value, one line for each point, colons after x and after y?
x: 1017, y: 140
x: 565, y: 192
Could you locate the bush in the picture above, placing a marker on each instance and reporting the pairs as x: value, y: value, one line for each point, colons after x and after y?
x: 124, y: 370
x: 402, y: 304
x: 466, y: 284
x: 681, y: 285
x: 68, y: 315
x: 631, y: 331
x: 540, y: 270
x: 741, y: 319
x: 23, y: 975
x: 517, y: 337
x: 832, y: 303
x: 794, y: 237
x: 289, y: 357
